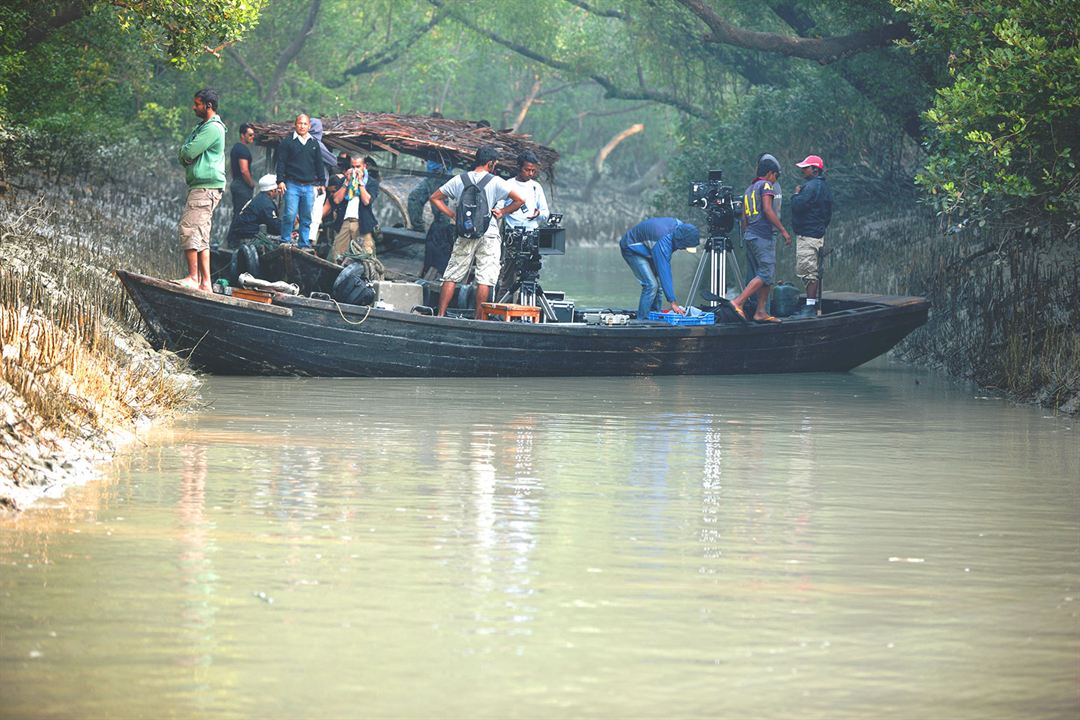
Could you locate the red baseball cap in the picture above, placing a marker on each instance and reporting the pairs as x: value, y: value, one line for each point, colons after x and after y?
x: 812, y: 161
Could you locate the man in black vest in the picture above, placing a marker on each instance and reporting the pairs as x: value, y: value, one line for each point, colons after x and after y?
x: 300, y: 173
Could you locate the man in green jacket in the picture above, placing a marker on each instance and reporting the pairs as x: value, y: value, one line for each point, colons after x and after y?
x: 203, y: 158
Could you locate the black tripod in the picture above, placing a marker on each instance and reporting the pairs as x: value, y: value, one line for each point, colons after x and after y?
x: 526, y: 289
x: 715, y: 252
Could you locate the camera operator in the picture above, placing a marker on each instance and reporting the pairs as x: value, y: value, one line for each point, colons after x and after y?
x: 758, y: 220
x: 534, y: 212
x: 811, y: 211
x: 647, y: 248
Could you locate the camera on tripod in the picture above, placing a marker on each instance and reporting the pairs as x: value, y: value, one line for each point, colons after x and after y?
x: 717, y: 200
x: 721, y: 208
x: 523, y: 252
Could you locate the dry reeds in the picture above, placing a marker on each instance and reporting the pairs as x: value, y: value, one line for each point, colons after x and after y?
x: 72, y: 371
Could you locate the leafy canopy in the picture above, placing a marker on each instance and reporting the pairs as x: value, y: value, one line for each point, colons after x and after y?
x: 1005, y: 131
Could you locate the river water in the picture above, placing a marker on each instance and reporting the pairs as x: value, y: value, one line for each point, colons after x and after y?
x: 881, y: 543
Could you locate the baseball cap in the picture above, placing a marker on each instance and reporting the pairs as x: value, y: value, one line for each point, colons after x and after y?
x: 267, y: 183
x: 812, y: 161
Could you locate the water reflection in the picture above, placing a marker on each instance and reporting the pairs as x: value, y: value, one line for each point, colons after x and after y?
x: 592, y: 546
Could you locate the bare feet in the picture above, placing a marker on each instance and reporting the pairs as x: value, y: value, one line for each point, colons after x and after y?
x: 188, y: 283
x: 206, y: 287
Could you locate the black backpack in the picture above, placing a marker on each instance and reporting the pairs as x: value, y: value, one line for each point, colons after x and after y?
x: 472, y: 217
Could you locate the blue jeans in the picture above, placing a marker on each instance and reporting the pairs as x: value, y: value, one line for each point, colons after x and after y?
x: 299, y: 199
x: 650, y: 285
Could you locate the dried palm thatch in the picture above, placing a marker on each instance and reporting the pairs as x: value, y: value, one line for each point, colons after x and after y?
x: 454, y: 142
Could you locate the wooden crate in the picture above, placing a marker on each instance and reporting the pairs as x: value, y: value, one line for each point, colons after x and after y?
x: 253, y: 295
x: 507, y: 311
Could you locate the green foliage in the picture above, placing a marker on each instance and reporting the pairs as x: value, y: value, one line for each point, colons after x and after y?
x: 182, y: 30
x: 866, y: 158
x: 156, y: 122
x: 1004, y: 132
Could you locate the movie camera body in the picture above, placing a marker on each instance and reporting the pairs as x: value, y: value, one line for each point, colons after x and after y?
x: 527, y: 247
x: 718, y: 201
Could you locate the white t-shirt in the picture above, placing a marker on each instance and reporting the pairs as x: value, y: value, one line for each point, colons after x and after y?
x: 352, y: 209
x: 496, y: 189
x: 535, y: 200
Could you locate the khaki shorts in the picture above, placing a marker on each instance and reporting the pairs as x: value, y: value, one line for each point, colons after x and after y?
x: 486, y: 251
x: 195, y: 221
x: 806, y: 261
x: 346, y: 239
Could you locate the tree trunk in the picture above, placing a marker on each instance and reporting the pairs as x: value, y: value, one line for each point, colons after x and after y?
x: 598, y: 161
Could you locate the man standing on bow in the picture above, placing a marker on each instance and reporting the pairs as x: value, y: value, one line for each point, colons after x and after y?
x: 811, y: 211
x: 535, y: 211
x: 203, y: 158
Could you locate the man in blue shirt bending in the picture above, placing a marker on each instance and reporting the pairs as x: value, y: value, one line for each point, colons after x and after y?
x: 647, y: 248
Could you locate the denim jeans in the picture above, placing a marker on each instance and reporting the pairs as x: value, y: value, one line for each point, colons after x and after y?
x: 650, y: 285
x: 299, y: 199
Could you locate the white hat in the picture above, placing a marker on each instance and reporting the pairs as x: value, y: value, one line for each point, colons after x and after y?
x: 267, y: 183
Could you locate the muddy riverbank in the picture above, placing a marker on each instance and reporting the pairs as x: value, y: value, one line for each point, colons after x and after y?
x: 77, y: 380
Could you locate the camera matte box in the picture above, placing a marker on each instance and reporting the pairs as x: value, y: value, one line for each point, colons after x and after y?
x: 552, y: 241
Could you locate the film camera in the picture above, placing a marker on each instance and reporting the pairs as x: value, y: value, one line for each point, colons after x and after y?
x: 523, y: 251
x: 717, y: 200
x: 721, y: 208
x: 525, y: 247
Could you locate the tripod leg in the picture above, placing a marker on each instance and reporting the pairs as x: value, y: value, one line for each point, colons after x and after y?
x: 695, y: 284
x: 738, y: 270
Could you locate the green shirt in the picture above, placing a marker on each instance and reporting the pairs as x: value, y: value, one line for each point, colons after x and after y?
x: 203, y: 155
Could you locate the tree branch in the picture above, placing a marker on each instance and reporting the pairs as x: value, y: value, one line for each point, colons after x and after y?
x: 526, y: 104
x: 611, y: 89
x: 591, y: 113
x: 823, y: 50
x: 803, y: 24
x: 247, y: 69
x: 290, y: 53
x: 390, y: 53
x: 65, y: 13
x: 602, y: 155
x: 617, y: 14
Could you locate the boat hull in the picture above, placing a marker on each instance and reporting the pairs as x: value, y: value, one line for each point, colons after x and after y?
x: 302, y: 336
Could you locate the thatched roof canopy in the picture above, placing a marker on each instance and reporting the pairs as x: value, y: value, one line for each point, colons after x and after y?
x: 455, y: 141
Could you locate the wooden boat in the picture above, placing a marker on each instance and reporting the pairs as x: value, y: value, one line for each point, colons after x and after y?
x: 295, y: 335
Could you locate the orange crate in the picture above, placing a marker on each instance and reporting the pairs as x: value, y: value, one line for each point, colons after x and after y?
x: 508, y: 311
x: 253, y: 295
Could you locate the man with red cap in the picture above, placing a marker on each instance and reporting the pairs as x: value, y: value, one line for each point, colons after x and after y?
x: 811, y: 211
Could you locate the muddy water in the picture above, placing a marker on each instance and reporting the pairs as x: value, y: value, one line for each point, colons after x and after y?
x: 883, y: 543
